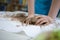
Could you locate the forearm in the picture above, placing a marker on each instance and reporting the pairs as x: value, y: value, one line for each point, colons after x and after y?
x: 54, y: 8
x: 30, y: 7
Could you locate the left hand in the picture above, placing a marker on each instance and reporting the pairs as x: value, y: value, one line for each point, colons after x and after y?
x: 43, y: 20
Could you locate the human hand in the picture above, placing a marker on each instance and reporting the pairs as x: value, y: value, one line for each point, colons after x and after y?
x: 29, y: 20
x: 38, y: 20
x: 43, y: 20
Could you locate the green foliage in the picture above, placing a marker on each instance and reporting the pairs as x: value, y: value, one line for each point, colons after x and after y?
x: 54, y: 35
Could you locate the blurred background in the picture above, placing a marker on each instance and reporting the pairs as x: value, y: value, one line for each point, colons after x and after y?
x: 15, y: 5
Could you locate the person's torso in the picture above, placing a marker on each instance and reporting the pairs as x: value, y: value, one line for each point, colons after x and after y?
x: 42, y: 6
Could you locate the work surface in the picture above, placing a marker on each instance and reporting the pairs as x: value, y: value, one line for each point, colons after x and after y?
x: 13, y: 33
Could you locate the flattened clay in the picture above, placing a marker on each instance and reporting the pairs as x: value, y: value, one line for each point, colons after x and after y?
x: 22, y: 18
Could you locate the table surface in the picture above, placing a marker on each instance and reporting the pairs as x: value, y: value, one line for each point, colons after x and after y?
x: 4, y: 35
x: 12, y: 36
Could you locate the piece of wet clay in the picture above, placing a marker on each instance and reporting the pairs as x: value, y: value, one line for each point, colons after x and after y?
x: 21, y: 17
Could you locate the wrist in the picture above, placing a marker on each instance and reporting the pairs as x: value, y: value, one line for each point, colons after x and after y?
x: 31, y: 14
x: 52, y: 17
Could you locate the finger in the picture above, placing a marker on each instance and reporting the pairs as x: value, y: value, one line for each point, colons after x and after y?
x: 39, y: 20
x: 44, y: 22
x: 24, y: 21
x: 27, y: 22
x: 38, y: 17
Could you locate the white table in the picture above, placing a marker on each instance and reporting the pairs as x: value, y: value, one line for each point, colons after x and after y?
x: 4, y: 35
x: 12, y: 36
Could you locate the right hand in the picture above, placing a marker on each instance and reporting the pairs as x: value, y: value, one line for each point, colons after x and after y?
x: 28, y: 20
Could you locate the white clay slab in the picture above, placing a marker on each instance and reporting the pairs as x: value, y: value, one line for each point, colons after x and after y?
x: 30, y: 30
